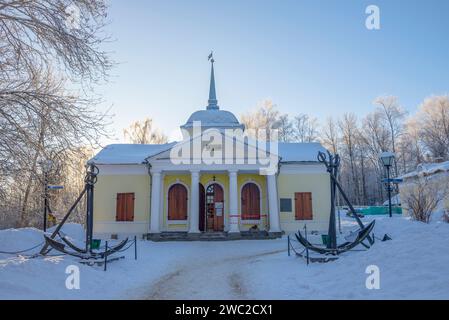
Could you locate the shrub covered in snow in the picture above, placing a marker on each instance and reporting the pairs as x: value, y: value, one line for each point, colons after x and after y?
x: 423, y: 196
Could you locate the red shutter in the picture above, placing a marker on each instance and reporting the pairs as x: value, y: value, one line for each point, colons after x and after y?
x: 125, y: 207
x: 303, y: 206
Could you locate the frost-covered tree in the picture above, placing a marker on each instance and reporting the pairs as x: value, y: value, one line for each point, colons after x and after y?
x: 47, y: 47
x: 144, y: 132
x: 433, y: 121
x: 305, y: 128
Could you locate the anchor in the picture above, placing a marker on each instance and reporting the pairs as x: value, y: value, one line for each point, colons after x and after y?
x: 90, y: 179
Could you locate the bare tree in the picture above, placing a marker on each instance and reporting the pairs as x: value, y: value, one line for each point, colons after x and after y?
x: 66, y: 34
x: 349, y: 139
x: 264, y: 119
x: 143, y: 132
x: 285, y: 128
x: 433, y: 120
x: 411, y: 147
x: 44, y: 47
x: 330, y: 135
x: 394, y: 115
x: 305, y: 128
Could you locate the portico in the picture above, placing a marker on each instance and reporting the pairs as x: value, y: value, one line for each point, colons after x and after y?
x: 195, y: 208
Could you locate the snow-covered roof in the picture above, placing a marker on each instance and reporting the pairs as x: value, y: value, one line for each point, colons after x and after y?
x: 128, y: 153
x: 427, y: 169
x: 213, y: 118
x: 299, y: 152
x: 137, y: 153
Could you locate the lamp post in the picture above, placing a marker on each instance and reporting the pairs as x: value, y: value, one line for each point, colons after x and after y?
x: 387, y: 159
x: 46, y: 167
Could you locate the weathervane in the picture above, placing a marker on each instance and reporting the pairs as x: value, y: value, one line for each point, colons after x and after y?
x: 211, y: 57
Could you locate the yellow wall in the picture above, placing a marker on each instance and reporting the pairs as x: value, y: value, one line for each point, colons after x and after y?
x: 318, y: 184
x: 105, y: 193
x: 109, y: 185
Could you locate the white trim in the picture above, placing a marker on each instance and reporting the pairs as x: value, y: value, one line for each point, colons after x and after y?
x: 168, y: 222
x: 225, y: 206
x: 177, y: 221
x: 251, y: 221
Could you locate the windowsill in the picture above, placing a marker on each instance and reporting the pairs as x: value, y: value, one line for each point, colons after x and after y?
x: 177, y: 221
x: 250, y: 221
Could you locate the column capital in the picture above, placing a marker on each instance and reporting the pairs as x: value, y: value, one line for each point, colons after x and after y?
x: 233, y: 171
x: 195, y: 171
x: 155, y: 171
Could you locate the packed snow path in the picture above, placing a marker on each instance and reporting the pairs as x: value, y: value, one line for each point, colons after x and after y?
x: 219, y: 278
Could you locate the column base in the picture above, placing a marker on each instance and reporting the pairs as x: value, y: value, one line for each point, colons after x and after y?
x: 234, y: 235
x: 275, y: 234
x: 233, y: 231
x: 153, y: 235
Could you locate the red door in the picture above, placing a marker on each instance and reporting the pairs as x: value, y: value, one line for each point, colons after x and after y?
x: 250, y: 202
x: 177, y: 202
x: 214, y: 208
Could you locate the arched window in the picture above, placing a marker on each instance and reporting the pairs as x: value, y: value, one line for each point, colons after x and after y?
x: 177, y: 202
x: 250, y: 202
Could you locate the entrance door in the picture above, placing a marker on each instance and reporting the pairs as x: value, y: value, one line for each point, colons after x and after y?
x: 214, y: 208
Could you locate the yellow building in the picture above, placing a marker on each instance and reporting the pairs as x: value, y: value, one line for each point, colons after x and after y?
x: 216, y: 181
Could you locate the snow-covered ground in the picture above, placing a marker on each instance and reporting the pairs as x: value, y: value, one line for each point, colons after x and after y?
x: 414, y: 265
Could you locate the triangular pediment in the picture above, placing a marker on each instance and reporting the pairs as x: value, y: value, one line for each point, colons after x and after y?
x: 213, y: 145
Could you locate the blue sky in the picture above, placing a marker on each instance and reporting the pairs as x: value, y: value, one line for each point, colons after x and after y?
x: 313, y: 57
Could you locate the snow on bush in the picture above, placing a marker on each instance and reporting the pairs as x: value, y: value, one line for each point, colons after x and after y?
x: 423, y: 196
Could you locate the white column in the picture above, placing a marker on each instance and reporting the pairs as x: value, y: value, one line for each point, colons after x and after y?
x: 233, y: 202
x: 156, y: 188
x: 194, y: 202
x: 273, y: 208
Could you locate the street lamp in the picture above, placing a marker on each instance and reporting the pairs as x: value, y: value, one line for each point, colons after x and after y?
x: 46, y: 166
x: 387, y: 159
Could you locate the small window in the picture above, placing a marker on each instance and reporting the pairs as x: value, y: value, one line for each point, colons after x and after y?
x: 125, y: 207
x: 286, y: 205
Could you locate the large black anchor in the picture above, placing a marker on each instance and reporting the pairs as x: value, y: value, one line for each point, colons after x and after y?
x: 332, y: 163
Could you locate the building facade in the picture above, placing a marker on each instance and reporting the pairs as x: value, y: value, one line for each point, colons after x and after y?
x: 163, y: 188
